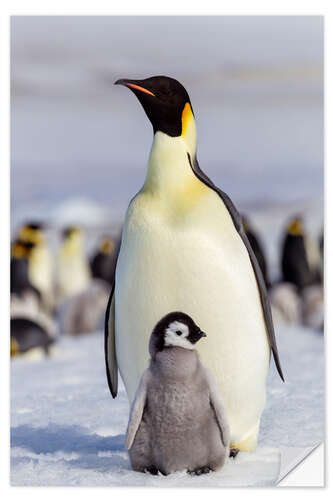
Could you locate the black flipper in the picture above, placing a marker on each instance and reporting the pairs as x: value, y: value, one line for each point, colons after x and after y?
x: 237, y: 220
x: 110, y: 346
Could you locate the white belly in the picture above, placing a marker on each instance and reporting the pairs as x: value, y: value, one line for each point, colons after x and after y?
x: 197, y: 264
x: 73, y: 276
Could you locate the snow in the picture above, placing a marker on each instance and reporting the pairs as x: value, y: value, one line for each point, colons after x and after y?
x: 294, y: 413
x: 67, y: 430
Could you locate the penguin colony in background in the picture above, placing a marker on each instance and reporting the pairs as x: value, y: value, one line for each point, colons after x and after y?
x: 167, y: 433
x: 82, y: 312
x: 184, y: 248
x: 73, y: 271
x: 32, y: 330
x: 37, y: 311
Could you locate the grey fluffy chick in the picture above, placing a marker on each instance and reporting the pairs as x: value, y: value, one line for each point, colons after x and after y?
x: 177, y: 420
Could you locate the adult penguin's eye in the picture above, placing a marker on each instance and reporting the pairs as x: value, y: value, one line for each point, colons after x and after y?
x: 178, y: 332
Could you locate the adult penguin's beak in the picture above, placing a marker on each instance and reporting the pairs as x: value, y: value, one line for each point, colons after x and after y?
x: 134, y: 85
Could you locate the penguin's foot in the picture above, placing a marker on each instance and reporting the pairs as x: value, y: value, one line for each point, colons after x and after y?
x: 198, y: 472
x: 152, y: 470
x: 248, y: 443
x: 233, y: 452
x: 155, y: 471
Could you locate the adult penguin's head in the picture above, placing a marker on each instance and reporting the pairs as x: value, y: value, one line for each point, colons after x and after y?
x: 165, y: 101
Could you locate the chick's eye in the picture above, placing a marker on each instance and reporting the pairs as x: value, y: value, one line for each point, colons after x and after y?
x: 178, y: 332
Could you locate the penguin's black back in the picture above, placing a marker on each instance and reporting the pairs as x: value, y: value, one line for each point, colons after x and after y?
x: 18, y: 274
x: 103, y: 266
x: 29, y: 334
x: 19, y: 278
x: 259, y: 253
x: 294, y: 262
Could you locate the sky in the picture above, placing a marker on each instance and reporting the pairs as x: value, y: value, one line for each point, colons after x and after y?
x: 255, y: 82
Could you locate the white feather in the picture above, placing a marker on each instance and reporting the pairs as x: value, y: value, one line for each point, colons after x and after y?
x: 180, y: 251
x: 172, y: 337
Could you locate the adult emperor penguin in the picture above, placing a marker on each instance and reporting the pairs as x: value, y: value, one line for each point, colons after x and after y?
x: 103, y: 263
x: 184, y: 248
x: 20, y: 283
x: 295, y: 262
x: 73, y: 270
x: 41, y: 261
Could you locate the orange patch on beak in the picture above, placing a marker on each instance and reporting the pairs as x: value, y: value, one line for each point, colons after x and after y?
x: 137, y: 87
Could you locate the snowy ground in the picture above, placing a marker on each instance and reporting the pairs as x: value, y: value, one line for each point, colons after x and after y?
x: 66, y: 429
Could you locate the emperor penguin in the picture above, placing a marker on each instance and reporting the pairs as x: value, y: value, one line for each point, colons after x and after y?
x: 184, y: 248
x: 41, y: 262
x: 300, y: 257
x: 29, y: 338
x: 103, y: 263
x: 177, y: 420
x: 73, y: 271
x: 20, y: 283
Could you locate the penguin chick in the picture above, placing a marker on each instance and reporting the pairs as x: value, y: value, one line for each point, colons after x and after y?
x: 177, y: 420
x: 286, y: 303
x: 313, y: 307
x: 83, y: 313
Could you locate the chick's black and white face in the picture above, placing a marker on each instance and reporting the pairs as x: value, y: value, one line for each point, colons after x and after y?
x: 177, y: 334
x: 176, y: 329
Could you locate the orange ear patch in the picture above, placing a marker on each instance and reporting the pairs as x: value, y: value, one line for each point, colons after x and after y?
x: 186, y: 115
x: 137, y: 87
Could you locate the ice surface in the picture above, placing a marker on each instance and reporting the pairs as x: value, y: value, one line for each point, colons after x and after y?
x: 67, y: 430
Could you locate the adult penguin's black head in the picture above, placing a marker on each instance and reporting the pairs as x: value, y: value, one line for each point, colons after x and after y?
x: 164, y: 100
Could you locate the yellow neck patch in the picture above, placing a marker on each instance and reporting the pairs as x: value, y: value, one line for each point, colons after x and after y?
x: 186, y: 117
x: 19, y: 251
x: 14, y: 347
x: 30, y: 235
x: 107, y: 246
x: 295, y: 228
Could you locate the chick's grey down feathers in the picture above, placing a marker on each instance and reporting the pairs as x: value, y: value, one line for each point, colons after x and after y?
x: 177, y: 419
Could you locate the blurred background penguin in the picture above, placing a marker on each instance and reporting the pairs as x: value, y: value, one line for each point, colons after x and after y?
x: 103, y: 263
x: 300, y: 259
x: 297, y: 296
x: 30, y: 338
x: 84, y: 286
x: 32, y: 328
x: 40, y: 262
x: 20, y: 284
x: 72, y: 270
